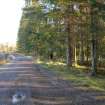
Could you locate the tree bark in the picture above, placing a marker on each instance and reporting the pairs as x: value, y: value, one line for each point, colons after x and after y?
x: 81, y: 50
x: 69, y: 54
x: 93, y: 57
x: 69, y: 46
x: 94, y: 43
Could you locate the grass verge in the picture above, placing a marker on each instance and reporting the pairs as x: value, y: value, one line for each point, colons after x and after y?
x: 76, y: 76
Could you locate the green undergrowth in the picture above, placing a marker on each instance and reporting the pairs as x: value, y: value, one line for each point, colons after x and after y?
x: 76, y: 76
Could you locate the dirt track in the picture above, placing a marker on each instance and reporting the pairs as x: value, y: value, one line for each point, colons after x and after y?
x: 42, y: 87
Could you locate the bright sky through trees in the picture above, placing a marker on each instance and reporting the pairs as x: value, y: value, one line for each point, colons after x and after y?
x: 10, y: 14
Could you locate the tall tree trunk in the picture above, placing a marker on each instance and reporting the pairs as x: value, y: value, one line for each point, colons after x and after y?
x: 94, y: 42
x: 69, y: 50
x: 75, y: 49
x: 87, y: 52
x: 69, y: 39
x: 94, y: 59
x: 81, y: 50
